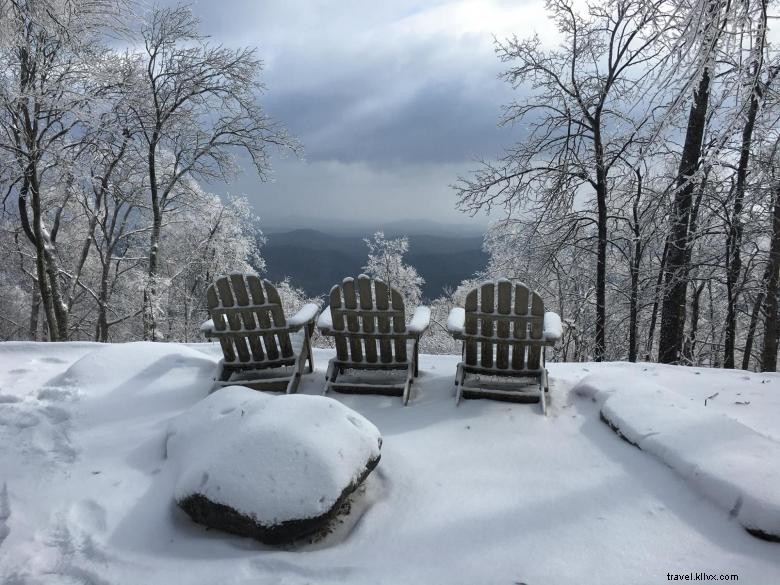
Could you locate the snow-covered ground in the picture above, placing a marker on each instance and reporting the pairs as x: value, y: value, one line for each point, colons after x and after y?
x: 486, y: 492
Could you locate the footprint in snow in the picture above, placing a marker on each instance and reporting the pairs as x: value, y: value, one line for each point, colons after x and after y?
x: 55, y: 394
x: 52, y: 360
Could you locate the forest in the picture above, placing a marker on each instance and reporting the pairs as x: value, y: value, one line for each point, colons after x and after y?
x: 640, y: 195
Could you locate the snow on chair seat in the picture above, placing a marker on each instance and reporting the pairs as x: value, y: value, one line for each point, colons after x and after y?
x: 261, y: 348
x: 368, y: 324
x: 505, y: 332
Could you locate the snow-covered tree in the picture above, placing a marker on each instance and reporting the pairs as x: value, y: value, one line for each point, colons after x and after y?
x: 386, y: 262
x: 197, y: 104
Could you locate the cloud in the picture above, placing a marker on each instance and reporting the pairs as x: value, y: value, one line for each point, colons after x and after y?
x: 391, y: 100
x: 324, y: 193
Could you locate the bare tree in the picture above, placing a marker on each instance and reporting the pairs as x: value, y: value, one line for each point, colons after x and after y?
x: 704, y: 24
x: 579, y: 120
x: 46, y: 49
x: 198, y: 106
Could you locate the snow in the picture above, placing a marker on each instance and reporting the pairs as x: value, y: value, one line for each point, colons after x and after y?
x: 487, y: 492
x: 306, y: 313
x: 456, y: 321
x: 421, y: 319
x: 553, y: 330
x: 325, y: 320
x: 300, y: 452
x: 727, y: 461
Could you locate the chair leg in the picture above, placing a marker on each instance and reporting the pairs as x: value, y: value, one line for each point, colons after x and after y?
x: 295, y: 379
x: 330, y: 376
x: 408, y: 386
x: 223, y: 373
x: 292, y: 385
x: 459, y: 379
x: 309, y: 351
x: 416, y: 357
x: 542, y: 389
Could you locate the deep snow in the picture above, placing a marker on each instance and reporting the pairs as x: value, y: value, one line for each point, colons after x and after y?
x: 733, y: 465
x: 299, y: 451
x: 486, y: 492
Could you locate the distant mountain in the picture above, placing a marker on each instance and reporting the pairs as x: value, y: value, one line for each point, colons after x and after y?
x: 315, y: 261
x: 409, y: 227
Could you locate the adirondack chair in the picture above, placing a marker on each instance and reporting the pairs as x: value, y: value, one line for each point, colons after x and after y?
x: 505, y: 332
x: 367, y: 319
x: 261, y: 348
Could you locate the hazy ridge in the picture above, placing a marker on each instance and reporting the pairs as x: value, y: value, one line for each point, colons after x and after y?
x: 315, y: 261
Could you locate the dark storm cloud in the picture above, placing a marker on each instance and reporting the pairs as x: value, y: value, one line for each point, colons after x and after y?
x: 439, y: 123
x: 393, y: 98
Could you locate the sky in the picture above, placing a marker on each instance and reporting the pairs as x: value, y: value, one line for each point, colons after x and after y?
x: 392, y: 101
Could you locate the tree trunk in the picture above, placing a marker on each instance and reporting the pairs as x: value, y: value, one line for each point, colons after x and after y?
x: 101, y: 325
x: 677, y: 264
x: 35, y: 309
x: 734, y: 262
x: 150, y: 289
x: 656, y: 301
x: 751, y: 333
x: 47, y: 267
x: 694, y: 331
x: 771, y: 325
x: 601, y: 253
x: 636, y: 261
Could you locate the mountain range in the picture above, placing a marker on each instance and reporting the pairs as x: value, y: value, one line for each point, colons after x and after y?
x: 315, y: 260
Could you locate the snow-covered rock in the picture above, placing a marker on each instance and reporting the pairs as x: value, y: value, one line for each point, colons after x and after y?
x: 274, y: 468
x: 730, y: 463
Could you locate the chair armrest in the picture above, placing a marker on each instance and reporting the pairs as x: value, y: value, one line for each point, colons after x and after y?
x: 307, y: 314
x: 207, y: 327
x: 553, y: 330
x: 421, y: 319
x: 456, y: 322
x: 325, y: 321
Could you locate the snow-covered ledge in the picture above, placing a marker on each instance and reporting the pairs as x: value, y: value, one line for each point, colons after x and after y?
x: 726, y: 461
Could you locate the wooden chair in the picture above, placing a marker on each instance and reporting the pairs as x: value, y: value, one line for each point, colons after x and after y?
x: 261, y: 348
x: 505, y: 332
x: 367, y: 319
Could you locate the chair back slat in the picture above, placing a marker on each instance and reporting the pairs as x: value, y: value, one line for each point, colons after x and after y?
x: 277, y: 315
x: 367, y: 320
x: 399, y: 324
x: 503, y: 307
x: 383, y: 321
x: 233, y: 320
x: 536, y: 333
x: 487, y: 305
x: 249, y: 318
x: 471, y: 328
x: 261, y: 316
x: 367, y: 315
x: 338, y: 323
x: 501, y: 317
x: 520, y: 328
x: 350, y: 302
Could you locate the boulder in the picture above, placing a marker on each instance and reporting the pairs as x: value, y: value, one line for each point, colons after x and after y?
x: 273, y: 468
